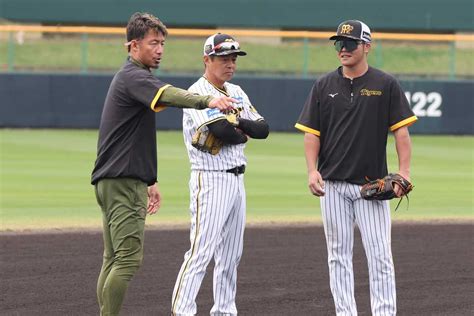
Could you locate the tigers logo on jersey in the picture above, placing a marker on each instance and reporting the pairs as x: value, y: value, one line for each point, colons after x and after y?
x: 236, y: 111
x: 369, y: 93
x: 241, y: 108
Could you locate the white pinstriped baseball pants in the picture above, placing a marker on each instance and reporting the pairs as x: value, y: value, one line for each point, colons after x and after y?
x: 217, y: 208
x: 342, y: 207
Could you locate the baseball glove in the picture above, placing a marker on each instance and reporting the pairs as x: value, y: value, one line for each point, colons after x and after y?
x: 205, y: 141
x: 383, y: 189
x: 233, y: 119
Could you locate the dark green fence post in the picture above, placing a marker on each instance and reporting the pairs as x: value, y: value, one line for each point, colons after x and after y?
x: 11, y: 52
x: 379, y: 54
x: 305, y: 56
x: 452, y: 60
x: 84, y: 52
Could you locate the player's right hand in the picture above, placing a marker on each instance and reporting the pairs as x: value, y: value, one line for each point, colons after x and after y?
x: 316, y: 183
x: 154, y: 199
x: 224, y: 104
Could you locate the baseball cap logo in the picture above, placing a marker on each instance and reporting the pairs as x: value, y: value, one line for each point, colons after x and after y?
x: 346, y: 29
x: 222, y: 44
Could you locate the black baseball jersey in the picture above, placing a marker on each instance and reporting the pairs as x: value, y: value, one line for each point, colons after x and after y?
x: 352, y: 119
x: 127, y: 132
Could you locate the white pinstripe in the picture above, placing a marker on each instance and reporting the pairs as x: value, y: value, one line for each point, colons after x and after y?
x: 217, y: 206
x: 342, y: 208
x: 217, y: 230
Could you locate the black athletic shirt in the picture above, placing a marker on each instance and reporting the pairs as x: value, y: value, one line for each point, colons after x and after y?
x: 127, y: 133
x: 352, y: 119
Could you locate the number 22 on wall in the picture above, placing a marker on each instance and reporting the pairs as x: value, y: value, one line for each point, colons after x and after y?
x: 425, y: 104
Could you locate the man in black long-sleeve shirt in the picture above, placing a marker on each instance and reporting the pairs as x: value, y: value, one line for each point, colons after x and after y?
x: 125, y: 171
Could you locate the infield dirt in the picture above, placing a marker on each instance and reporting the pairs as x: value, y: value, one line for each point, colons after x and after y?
x: 283, y: 272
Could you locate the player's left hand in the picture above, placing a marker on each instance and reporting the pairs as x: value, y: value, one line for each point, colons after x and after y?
x: 154, y: 199
x: 397, y: 188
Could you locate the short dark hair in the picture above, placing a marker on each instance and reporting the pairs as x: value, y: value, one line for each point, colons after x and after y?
x: 140, y: 23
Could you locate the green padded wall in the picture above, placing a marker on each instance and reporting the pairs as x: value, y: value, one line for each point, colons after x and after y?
x: 381, y: 15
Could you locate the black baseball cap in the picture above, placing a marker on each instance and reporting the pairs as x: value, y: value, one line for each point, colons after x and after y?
x: 222, y: 44
x: 353, y: 29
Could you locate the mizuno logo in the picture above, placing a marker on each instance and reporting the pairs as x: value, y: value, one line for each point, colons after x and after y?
x: 333, y: 95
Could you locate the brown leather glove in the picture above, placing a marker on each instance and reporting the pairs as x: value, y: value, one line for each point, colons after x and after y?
x: 383, y: 189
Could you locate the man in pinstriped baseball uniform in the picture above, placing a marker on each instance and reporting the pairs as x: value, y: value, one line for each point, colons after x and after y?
x: 346, y: 120
x: 217, y: 192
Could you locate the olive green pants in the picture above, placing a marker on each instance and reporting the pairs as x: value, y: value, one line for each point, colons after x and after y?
x: 123, y: 202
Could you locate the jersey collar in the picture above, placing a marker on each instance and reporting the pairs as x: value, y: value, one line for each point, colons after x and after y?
x: 339, y: 71
x: 223, y: 91
x: 137, y: 63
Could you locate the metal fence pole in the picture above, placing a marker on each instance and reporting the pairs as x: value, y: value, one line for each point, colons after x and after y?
x: 84, y: 52
x: 11, y: 53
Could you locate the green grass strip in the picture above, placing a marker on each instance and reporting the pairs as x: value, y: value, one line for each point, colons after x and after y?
x: 45, y: 180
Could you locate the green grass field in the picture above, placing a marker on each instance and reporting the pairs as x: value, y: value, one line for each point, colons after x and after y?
x: 45, y: 178
x: 184, y: 55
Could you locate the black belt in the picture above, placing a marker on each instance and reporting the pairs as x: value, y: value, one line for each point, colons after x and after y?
x: 237, y: 170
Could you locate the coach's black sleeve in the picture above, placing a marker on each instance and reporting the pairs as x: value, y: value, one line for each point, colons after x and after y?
x: 223, y: 130
x: 255, y: 129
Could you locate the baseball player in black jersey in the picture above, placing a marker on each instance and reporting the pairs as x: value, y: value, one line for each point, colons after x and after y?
x: 125, y: 169
x: 346, y: 119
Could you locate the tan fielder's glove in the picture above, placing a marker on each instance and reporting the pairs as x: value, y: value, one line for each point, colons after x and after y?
x: 205, y: 141
x: 232, y: 119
